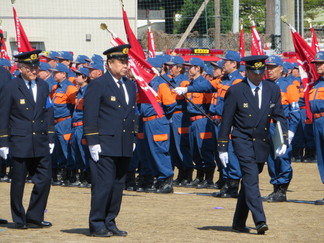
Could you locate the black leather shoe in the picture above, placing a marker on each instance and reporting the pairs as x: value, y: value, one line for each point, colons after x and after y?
x: 20, y: 226
x: 38, y: 224
x: 277, y: 197
x: 319, y: 202
x: 241, y: 229
x: 3, y: 221
x: 101, y: 233
x: 115, y: 231
x: 261, y: 228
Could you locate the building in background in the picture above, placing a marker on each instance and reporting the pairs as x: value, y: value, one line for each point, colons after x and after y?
x: 69, y: 25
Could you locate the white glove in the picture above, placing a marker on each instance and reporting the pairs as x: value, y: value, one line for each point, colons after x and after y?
x: 223, y: 156
x: 281, y: 151
x: 290, y: 136
x: 94, y: 152
x: 4, y: 151
x: 181, y: 90
x: 134, y: 146
x: 51, y: 147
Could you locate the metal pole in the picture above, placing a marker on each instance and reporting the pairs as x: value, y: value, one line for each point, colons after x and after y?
x: 236, y: 16
x: 217, y: 24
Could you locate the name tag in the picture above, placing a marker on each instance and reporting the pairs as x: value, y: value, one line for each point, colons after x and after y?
x: 245, y: 105
x: 112, y: 98
x: 22, y: 101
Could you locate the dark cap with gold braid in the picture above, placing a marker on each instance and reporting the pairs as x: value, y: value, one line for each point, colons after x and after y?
x: 118, y: 52
x: 30, y: 58
x: 256, y: 63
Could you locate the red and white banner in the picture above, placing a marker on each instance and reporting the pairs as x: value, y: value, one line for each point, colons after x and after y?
x: 150, y: 43
x: 315, y: 45
x: 132, y: 40
x: 22, y: 40
x: 3, y: 47
x: 305, y: 54
x: 242, y: 47
x: 143, y: 73
x: 256, y: 46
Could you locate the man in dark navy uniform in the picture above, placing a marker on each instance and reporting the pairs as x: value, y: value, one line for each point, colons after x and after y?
x: 248, y: 108
x: 5, y: 77
x: 109, y: 118
x: 26, y: 128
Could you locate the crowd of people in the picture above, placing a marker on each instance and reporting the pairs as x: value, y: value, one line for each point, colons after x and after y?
x: 88, y: 120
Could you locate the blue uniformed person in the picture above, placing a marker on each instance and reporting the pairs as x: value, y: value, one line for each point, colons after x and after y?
x: 108, y: 124
x: 80, y: 150
x: 26, y: 132
x: 82, y: 60
x: 317, y: 107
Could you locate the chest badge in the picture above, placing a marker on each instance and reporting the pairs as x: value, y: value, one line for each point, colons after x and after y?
x: 112, y: 98
x: 22, y: 101
x: 245, y: 105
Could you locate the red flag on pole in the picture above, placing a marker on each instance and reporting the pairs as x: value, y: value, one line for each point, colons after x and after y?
x: 150, y: 43
x: 143, y: 73
x: 3, y: 47
x: 256, y: 46
x: 315, y: 45
x: 135, y: 45
x: 22, y: 40
x: 242, y: 48
x: 305, y: 54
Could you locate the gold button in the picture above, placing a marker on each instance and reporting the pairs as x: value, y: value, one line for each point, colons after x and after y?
x: 42, y: 121
x: 27, y: 108
x: 119, y: 106
x: 124, y: 119
x: 264, y: 140
x: 34, y: 133
x: 265, y: 129
x: 253, y: 139
x: 133, y: 107
x: 33, y: 121
x: 124, y: 131
x: 250, y: 115
x: 268, y: 115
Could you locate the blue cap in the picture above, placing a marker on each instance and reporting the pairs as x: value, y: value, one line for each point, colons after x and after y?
x: 286, y: 66
x: 82, y: 70
x: 218, y: 64
x: 209, y: 71
x: 65, y: 55
x: 319, y: 57
x: 96, y: 65
x: 82, y: 59
x: 155, y: 61
x: 52, y: 55
x: 232, y: 56
x: 175, y: 60
x: 195, y: 61
x: 165, y: 57
x: 242, y: 68
x: 274, y: 61
x: 16, y: 72
x: 97, y: 58
x: 59, y: 67
x: 4, y: 62
x: 44, y: 66
x: 295, y: 65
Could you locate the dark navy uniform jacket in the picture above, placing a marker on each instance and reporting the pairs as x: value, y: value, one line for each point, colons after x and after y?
x: 249, y: 123
x: 26, y: 127
x: 108, y: 119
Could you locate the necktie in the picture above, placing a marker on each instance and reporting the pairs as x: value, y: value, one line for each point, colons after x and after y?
x: 256, y: 96
x: 30, y: 89
x: 121, y: 89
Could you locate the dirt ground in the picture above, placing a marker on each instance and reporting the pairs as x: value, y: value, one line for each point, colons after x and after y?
x: 188, y: 215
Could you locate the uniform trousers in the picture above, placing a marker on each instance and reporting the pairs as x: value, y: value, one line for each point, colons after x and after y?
x: 40, y: 171
x: 319, y: 142
x: 249, y: 198
x: 108, y: 176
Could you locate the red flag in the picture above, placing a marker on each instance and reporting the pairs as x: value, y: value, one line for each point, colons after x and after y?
x: 3, y: 47
x: 242, y: 49
x: 22, y: 40
x: 305, y: 54
x: 150, y: 43
x: 135, y: 45
x: 256, y: 46
x: 143, y: 73
x: 315, y: 45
